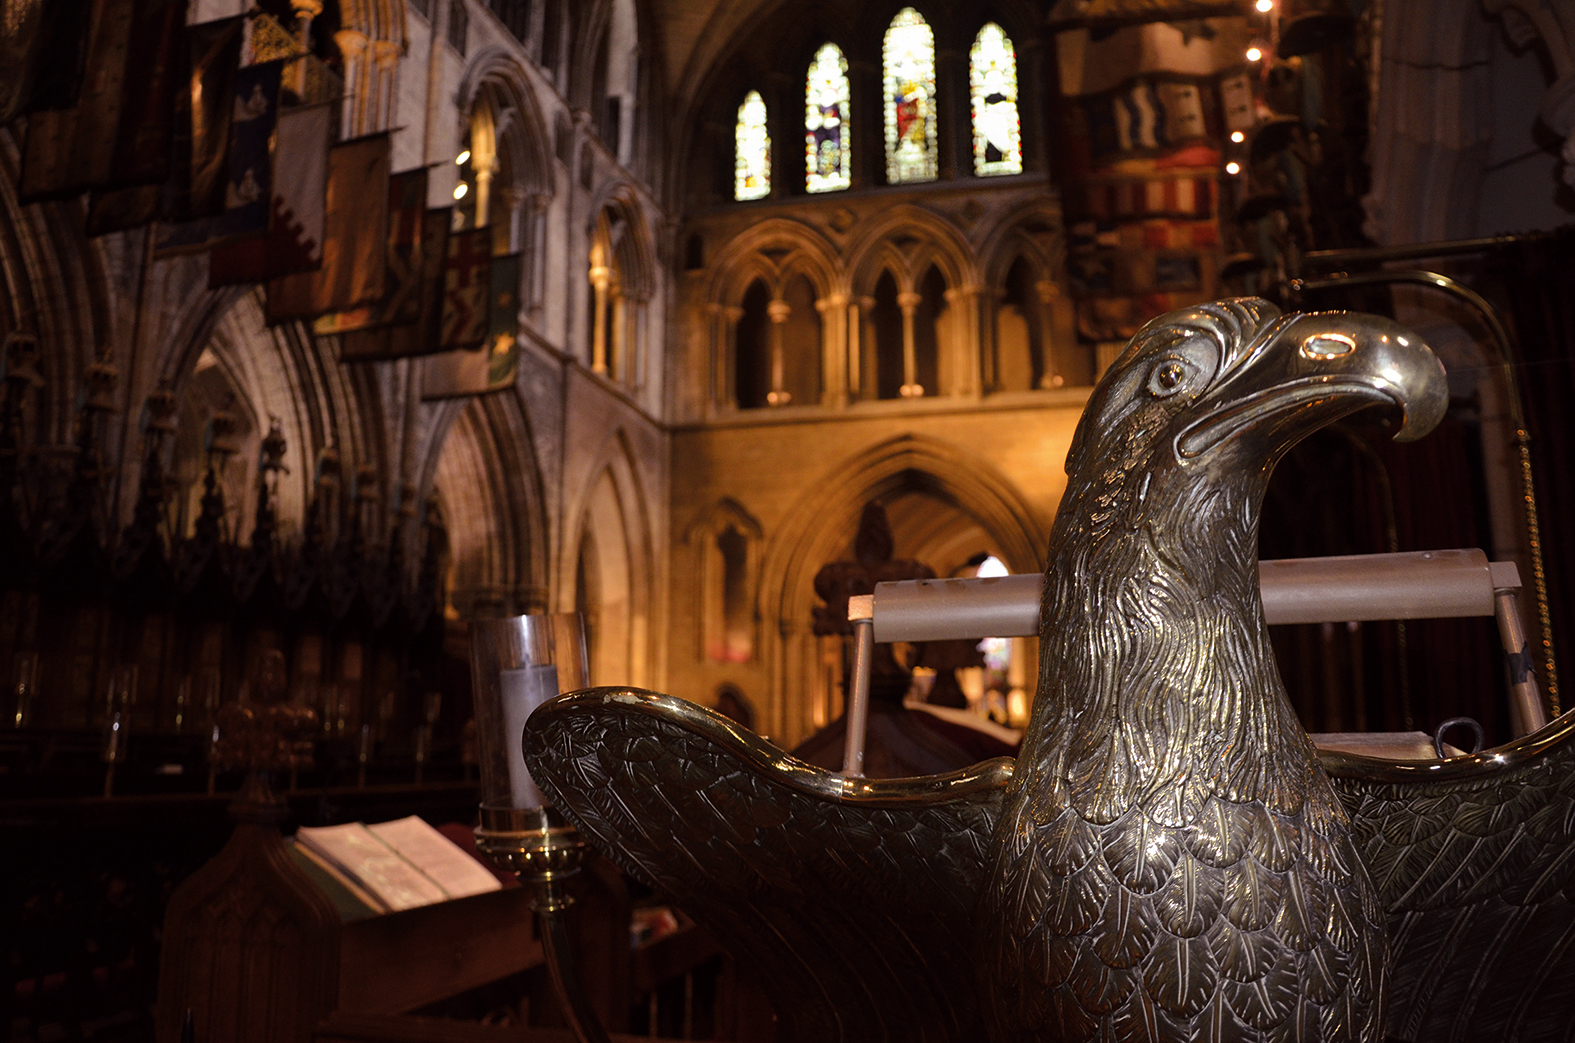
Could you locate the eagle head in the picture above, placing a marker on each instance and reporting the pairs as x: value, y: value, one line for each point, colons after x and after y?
x: 1156, y: 668
x: 1226, y: 388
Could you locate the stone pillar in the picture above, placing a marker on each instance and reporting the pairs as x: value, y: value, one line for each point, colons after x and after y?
x: 513, y: 198
x: 305, y: 11
x: 1046, y: 292
x: 856, y: 336
x: 966, y: 348
x: 385, y: 55
x: 778, y: 310
x: 601, y: 278
x: 909, y: 302
x: 833, y: 349
x: 486, y: 167
x: 727, y: 354
x: 352, y: 44
x: 618, y: 335
x: 534, y: 243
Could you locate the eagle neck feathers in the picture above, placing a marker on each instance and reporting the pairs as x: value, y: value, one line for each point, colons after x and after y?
x: 1157, y: 676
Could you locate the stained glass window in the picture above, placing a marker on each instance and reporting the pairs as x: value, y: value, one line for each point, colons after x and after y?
x: 827, y: 140
x: 752, y: 150
x: 992, y: 80
x: 910, y: 99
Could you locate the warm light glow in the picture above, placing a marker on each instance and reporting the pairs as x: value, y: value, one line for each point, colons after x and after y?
x: 828, y: 163
x: 909, y: 66
x: 991, y: 567
x: 751, y: 150
x: 1265, y: 6
x: 1233, y: 167
x: 462, y: 158
x: 1253, y: 54
x: 1237, y: 136
x: 460, y: 190
x: 992, y: 83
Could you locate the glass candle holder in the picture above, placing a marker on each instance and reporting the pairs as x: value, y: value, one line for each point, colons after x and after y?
x: 517, y: 664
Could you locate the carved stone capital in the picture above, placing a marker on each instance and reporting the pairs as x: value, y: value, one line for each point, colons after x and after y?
x: 351, y: 42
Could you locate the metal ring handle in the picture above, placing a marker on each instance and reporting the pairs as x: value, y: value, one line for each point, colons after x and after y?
x: 1469, y: 722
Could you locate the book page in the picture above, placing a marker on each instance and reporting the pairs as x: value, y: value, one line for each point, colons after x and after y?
x: 359, y: 854
x: 439, y: 858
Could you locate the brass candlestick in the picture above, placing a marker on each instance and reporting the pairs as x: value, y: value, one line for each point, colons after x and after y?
x: 544, y: 856
x: 517, y: 664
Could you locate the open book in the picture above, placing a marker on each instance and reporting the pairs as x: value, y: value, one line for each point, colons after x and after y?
x: 395, y: 865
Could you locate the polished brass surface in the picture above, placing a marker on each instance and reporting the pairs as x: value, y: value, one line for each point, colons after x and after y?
x: 1167, y: 860
x: 849, y: 900
x: 1171, y: 859
x: 544, y: 858
x: 1508, y: 362
x: 539, y: 857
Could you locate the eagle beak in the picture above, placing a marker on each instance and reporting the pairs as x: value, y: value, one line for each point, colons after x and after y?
x: 1305, y: 371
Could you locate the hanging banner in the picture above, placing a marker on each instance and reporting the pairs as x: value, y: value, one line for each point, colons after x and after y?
x: 43, y: 48
x: 465, y: 289
x: 203, y: 108
x: 248, y: 194
x: 492, y: 366
x: 147, y: 111
x: 141, y: 165
x: 71, y: 150
x: 401, y: 301
x: 294, y: 242
x: 422, y: 335
x: 354, y: 240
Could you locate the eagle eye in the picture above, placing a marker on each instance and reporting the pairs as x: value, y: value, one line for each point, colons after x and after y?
x: 1167, y: 378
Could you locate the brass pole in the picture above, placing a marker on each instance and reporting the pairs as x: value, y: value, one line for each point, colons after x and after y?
x: 1507, y: 358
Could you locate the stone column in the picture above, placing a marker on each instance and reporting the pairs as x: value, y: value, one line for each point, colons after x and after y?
x: 966, y: 348
x: 601, y: 278
x: 305, y: 11
x: 534, y: 241
x: 513, y: 198
x: 618, y: 335
x: 385, y: 55
x: 351, y: 45
x: 727, y: 354
x: 909, y: 302
x: 485, y: 167
x: 856, y: 335
x: 778, y: 310
x: 1046, y: 292
x: 833, y: 349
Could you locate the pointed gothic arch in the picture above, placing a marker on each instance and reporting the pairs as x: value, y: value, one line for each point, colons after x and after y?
x: 817, y: 529
x: 607, y: 567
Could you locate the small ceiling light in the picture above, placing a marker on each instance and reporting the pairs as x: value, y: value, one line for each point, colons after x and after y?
x: 462, y: 158
x: 460, y: 190
x: 1265, y: 6
x: 1237, y: 136
x: 1253, y: 54
x: 1233, y: 167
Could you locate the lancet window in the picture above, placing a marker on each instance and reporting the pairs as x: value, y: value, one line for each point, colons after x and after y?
x: 752, y: 150
x: 828, y: 166
x: 909, y: 59
x: 992, y: 82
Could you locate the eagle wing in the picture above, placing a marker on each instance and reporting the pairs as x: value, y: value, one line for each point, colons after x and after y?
x: 1474, y: 859
x: 851, y: 899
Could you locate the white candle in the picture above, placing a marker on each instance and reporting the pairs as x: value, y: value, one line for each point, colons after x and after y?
x: 524, y: 690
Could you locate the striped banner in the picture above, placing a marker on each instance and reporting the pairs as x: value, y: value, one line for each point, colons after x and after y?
x: 1132, y: 198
